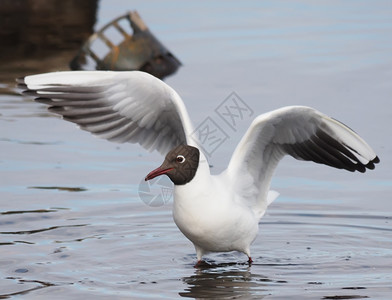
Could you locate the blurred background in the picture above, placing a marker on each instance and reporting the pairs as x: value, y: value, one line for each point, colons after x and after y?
x: 42, y: 34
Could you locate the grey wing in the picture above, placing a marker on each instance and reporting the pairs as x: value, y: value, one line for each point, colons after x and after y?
x: 122, y: 107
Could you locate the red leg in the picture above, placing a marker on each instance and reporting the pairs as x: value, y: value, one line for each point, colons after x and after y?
x: 198, y: 264
x: 250, y: 260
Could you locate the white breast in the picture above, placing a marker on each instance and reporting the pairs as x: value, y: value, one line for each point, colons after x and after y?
x: 211, y: 218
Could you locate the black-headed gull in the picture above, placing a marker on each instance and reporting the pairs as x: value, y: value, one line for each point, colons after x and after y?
x: 218, y: 213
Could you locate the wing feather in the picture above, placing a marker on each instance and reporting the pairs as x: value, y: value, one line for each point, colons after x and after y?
x: 303, y: 133
x: 123, y: 107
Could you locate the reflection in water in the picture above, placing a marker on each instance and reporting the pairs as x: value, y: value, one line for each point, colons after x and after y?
x: 59, y: 188
x: 24, y: 232
x: 41, y: 285
x: 38, y: 36
x: 13, y: 212
x: 45, y: 35
x: 234, y: 281
x: 226, y: 281
x: 345, y: 297
x: 43, y: 27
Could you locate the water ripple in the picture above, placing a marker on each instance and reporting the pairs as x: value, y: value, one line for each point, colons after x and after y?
x: 42, y: 229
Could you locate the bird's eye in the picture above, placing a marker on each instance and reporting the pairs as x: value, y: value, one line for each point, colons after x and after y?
x: 180, y: 159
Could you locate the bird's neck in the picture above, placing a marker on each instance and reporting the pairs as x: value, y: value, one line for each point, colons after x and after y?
x: 199, y: 184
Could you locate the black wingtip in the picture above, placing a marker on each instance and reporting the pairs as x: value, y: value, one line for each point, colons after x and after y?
x: 29, y: 93
x: 20, y: 80
x: 43, y: 100
x: 361, y: 168
x: 371, y: 164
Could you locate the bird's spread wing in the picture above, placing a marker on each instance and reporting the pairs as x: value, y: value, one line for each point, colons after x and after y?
x: 303, y: 133
x: 123, y: 107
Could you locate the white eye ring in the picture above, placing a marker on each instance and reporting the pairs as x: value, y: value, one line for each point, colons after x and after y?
x: 180, y: 159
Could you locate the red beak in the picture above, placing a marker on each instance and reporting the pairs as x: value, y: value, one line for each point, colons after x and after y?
x: 157, y: 172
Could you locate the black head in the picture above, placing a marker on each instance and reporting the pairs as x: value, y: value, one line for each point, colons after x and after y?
x: 180, y: 165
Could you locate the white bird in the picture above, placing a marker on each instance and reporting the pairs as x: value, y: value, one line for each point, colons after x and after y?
x: 217, y: 213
